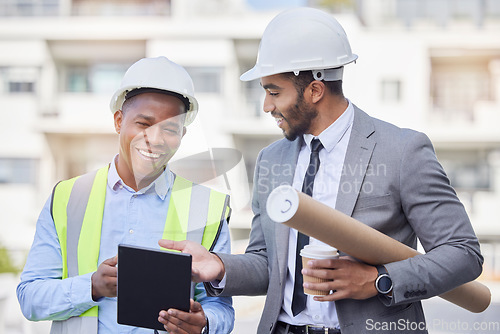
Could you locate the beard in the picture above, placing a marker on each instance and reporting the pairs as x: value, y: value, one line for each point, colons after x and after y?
x: 299, y: 119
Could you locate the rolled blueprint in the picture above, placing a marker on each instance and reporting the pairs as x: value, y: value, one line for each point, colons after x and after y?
x: 301, y: 212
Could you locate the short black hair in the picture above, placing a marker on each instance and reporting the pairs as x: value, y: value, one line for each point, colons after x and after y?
x: 130, y: 97
x: 304, y: 78
x: 134, y: 92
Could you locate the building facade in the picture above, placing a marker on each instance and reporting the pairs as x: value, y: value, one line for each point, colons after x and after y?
x: 432, y: 65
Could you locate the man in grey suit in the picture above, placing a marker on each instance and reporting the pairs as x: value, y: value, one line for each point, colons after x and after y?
x: 382, y: 175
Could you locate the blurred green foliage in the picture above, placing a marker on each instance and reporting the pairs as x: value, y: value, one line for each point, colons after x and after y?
x: 6, y: 264
x: 336, y: 4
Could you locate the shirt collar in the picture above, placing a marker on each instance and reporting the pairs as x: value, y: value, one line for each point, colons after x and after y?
x: 161, y: 185
x: 335, y: 132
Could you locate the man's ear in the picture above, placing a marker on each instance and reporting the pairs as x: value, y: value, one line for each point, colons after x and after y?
x: 316, y: 91
x: 118, y: 116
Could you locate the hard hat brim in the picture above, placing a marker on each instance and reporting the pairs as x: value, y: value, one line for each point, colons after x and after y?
x: 256, y: 72
x: 252, y: 74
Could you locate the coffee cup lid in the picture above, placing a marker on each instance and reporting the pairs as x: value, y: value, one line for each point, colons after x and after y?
x: 319, y: 252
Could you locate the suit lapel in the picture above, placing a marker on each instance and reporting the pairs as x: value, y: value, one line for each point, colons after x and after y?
x: 288, y: 161
x: 357, y: 159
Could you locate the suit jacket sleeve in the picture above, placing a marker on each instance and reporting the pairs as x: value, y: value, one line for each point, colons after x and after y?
x: 439, y: 221
x: 247, y: 274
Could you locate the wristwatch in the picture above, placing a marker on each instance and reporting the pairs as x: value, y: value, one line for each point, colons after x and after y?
x: 383, y: 283
x: 204, y: 330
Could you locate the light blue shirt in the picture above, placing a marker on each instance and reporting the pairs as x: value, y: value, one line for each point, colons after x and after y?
x: 130, y: 217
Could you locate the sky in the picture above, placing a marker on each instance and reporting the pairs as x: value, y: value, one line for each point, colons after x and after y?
x: 275, y: 4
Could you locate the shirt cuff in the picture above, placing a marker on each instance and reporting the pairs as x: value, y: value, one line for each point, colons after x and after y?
x: 81, y: 291
x: 216, y: 284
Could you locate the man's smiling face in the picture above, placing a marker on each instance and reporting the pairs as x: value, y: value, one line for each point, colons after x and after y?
x: 151, y: 127
x: 293, y: 115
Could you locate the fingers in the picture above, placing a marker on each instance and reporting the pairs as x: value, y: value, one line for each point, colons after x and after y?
x: 104, y: 280
x: 348, y: 278
x: 108, y: 267
x: 326, y: 264
x: 170, y: 325
x: 107, y: 271
x: 111, y: 261
x: 176, y: 321
x: 329, y: 268
x: 103, y: 286
x: 332, y: 297
x: 171, y: 244
x: 195, y: 306
x: 110, y: 271
x: 320, y: 273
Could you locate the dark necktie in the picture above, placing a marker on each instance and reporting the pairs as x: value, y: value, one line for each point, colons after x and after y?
x: 299, y: 298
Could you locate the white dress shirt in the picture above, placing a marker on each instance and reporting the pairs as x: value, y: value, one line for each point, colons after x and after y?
x: 326, y: 183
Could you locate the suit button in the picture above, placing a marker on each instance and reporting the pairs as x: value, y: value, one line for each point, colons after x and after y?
x: 424, y: 292
x: 418, y: 293
x: 407, y: 294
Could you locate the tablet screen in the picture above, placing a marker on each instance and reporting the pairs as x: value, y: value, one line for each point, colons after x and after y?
x: 151, y: 280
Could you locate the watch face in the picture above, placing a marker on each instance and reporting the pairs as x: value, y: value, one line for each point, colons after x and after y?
x: 384, y: 284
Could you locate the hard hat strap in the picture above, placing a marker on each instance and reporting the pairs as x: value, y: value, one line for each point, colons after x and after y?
x: 331, y: 74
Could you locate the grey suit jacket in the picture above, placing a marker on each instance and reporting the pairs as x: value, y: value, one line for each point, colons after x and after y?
x: 391, y: 181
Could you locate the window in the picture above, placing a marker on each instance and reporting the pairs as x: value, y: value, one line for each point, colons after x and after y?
x: 105, y: 78
x: 29, y: 8
x: 467, y: 170
x: 77, y: 79
x: 21, y: 87
x: 121, y: 7
x: 18, y: 170
x: 98, y: 78
x: 444, y: 11
x: 18, y: 79
x: 457, y: 83
x: 255, y: 95
x: 206, y: 79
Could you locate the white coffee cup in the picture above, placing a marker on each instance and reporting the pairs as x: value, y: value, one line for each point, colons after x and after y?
x: 316, y: 252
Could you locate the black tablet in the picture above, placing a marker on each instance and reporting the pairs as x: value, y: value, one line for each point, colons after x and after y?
x: 151, y: 280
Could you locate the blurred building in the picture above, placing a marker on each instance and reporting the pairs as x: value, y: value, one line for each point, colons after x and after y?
x: 432, y: 65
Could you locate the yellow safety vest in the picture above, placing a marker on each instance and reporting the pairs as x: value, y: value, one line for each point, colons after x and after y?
x: 78, y: 207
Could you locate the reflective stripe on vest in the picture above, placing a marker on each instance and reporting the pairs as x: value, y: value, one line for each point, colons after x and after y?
x: 77, y: 210
x: 79, y: 325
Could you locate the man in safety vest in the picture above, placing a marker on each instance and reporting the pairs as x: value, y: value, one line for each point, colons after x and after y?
x: 70, y: 275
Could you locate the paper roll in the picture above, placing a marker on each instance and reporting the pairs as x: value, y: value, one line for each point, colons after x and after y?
x: 300, y: 211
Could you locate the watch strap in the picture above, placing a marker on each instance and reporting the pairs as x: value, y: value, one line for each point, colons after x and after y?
x: 205, y: 330
x: 383, y: 275
x: 381, y: 270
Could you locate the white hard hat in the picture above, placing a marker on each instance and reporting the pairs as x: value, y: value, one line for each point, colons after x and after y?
x: 302, y: 39
x: 157, y: 73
